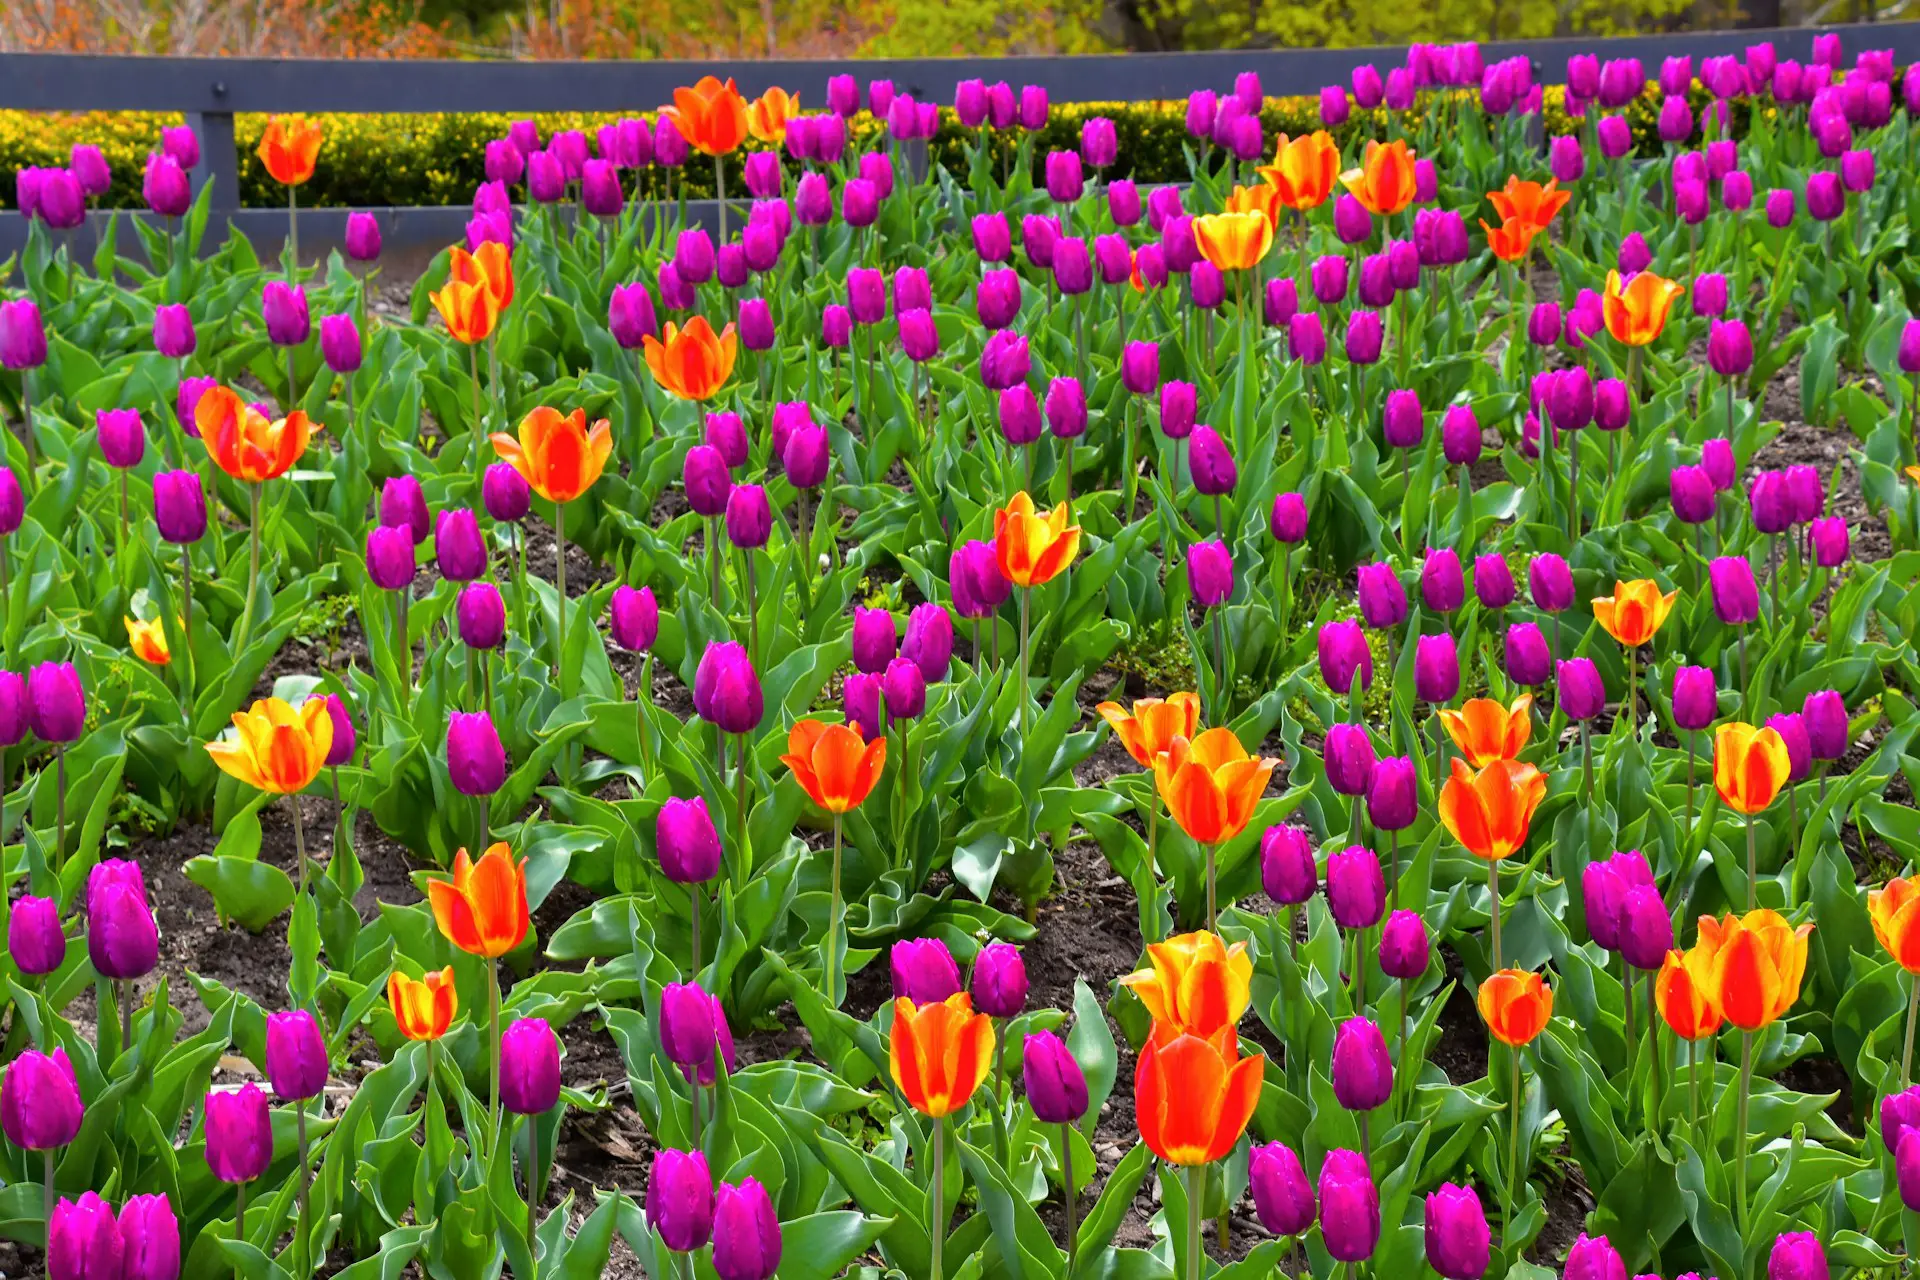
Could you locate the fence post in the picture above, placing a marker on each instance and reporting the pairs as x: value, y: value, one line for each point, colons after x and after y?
x: 219, y: 159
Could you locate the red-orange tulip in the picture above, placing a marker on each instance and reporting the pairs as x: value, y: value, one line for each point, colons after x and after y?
x: 1193, y: 1097
x: 1636, y: 310
x: 1895, y: 912
x: 483, y: 909
x: 833, y: 765
x: 1515, y: 1005
x: 1528, y: 202
x: 1211, y: 785
x: 1683, y: 993
x: 1032, y: 548
x: 939, y: 1053
x: 711, y: 116
x: 768, y: 114
x: 692, y: 363
x: 1511, y: 240
x: 560, y: 457
x: 1749, y: 766
x: 1489, y: 811
x: 1154, y: 724
x: 243, y: 443
x: 1753, y: 965
x: 1303, y: 169
x: 424, y: 1009
x: 1384, y: 182
x: 1485, y: 731
x: 289, y: 149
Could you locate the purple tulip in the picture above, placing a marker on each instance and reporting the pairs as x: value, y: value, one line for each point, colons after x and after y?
x: 239, y: 1134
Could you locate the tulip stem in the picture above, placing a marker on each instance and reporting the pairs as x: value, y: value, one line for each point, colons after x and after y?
x: 1223, y: 706
x: 124, y: 992
x: 1752, y: 866
x: 473, y: 376
x: 938, y: 1202
x: 1066, y: 1172
x: 697, y: 903
x: 533, y: 1190
x: 833, y: 923
x: 1020, y: 715
x: 1691, y: 737
x: 239, y: 1217
x: 1654, y: 1049
x: 60, y: 806
x: 1740, y: 1134
x: 300, y: 1221
x: 1513, y: 1162
x: 740, y: 791
x: 1913, y: 1008
x: 1213, y: 915
x: 1153, y: 832
x: 560, y: 576
x: 49, y: 1198
x: 493, y: 1051
x: 1626, y: 1007
x: 1196, y: 1188
x: 1693, y: 1083
x: 1493, y: 907
x: 26, y: 426
x: 253, y: 567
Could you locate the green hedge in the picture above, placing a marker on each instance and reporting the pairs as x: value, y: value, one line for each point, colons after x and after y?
x: 370, y: 160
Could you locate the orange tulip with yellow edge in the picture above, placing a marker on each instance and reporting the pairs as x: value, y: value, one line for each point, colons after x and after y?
x: 1384, y: 182
x: 1510, y: 241
x: 1303, y: 169
x: 939, y: 1053
x: 1193, y: 1095
x: 768, y: 114
x: 1753, y: 965
x: 1634, y: 612
x: 1197, y: 983
x: 1515, y: 1004
x: 242, y: 443
x: 692, y: 363
x: 1211, y: 785
x: 276, y: 747
x: 833, y: 764
x: 148, y: 640
x: 424, y: 1009
x: 711, y: 116
x: 559, y: 456
x: 467, y: 309
x: 289, y: 149
x: 1261, y: 198
x: 1233, y: 241
x: 1153, y: 724
x: 1636, y: 310
x: 1485, y: 731
x: 1895, y: 912
x: 482, y: 908
x: 1528, y: 202
x: 1033, y: 548
x: 490, y: 265
x: 1489, y: 811
x: 1680, y: 992
x: 1749, y: 766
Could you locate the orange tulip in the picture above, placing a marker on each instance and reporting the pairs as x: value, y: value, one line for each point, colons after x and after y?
x: 276, y: 747
x: 148, y: 640
x: 939, y: 1053
x: 1681, y: 993
x: 1196, y: 984
x: 1032, y: 548
x: 1193, y: 1096
x: 1262, y: 198
x: 1749, y: 766
x: 1154, y: 724
x: 1895, y: 912
x: 1510, y: 241
x: 1233, y: 241
x: 1528, y: 202
x: 1489, y: 811
x: 1634, y: 612
x: 1515, y: 1005
x: 832, y: 764
x: 768, y: 114
x: 1636, y: 310
x: 424, y: 1009
x: 490, y: 265
x: 692, y: 363
x: 712, y: 116
x: 467, y: 309
x: 1384, y: 182
x: 1211, y: 785
x: 559, y: 456
x: 1753, y: 965
x: 1303, y: 169
x: 483, y: 909
x: 1485, y: 731
x: 243, y: 443
x: 289, y: 148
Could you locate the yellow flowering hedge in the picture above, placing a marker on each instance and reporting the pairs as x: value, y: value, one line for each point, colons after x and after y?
x: 370, y: 160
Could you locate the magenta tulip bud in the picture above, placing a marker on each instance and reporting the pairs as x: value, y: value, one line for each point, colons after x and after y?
x: 746, y: 1232
x: 1383, y: 599
x: 1459, y: 1242
x: 905, y: 690
x: 1004, y: 361
x: 1287, y: 870
x: 1690, y: 489
x: 1443, y: 586
x: 1123, y: 203
x: 1348, y: 752
x: 1211, y: 462
x: 1056, y: 1086
x: 1550, y: 582
x: 1729, y: 348
x: 476, y: 761
x: 1792, y: 729
x: 35, y: 939
x: 1493, y: 581
x: 481, y: 616
x: 1580, y: 691
x: 680, y: 1200
x: 1356, y: 891
x: 726, y: 689
x: 686, y: 842
x: 806, y: 457
x: 1364, y: 336
x: 634, y: 618
x: 150, y: 1239
x: 866, y: 295
x: 173, y: 335
x: 122, y: 939
x: 1349, y: 1207
x: 1066, y: 408
x: 707, y: 480
x: 340, y: 343
x: 1460, y: 436
x: 1281, y: 302
x: 1343, y: 655
x: 404, y: 505
x: 1351, y: 221
x: 1593, y: 1259
x: 1019, y: 415
x: 1281, y: 1193
x: 56, y: 704
x: 999, y: 984
x: 1565, y: 160
x: 84, y: 1241
x: 458, y: 548
x: 529, y: 1067
x: 1695, y: 700
x: 689, y: 1034
x: 1064, y: 179
x: 860, y: 701
x: 239, y: 1134
x: 1207, y: 288
x: 284, y: 309
x: 505, y: 493
x: 1362, y: 1070
x: 725, y: 432
x: 1906, y: 1168
x: 23, y: 339
x: 1527, y: 659
x: 1367, y: 88
x: 1210, y: 572
x: 1288, y: 521
x: 756, y: 326
x: 997, y: 298
x: 1179, y: 403
x: 181, y: 145
x: 340, y: 751
x: 296, y: 1055
x: 1403, y: 421
x: 1436, y: 669
x: 1645, y: 930
x: 1140, y: 368
x: 873, y: 640
x: 923, y: 970
x: 1328, y: 278
x: 1830, y: 541
x: 390, y: 557
x: 749, y: 516
x: 1771, y: 502
x: 40, y: 1106
x: 1393, y: 796
x: 1806, y: 498
x: 1405, y: 951
x: 1899, y: 1112
x: 1797, y: 1255
x: 1376, y: 280
x: 929, y: 641
x: 123, y: 440
x: 1604, y: 886
x: 813, y: 201
x: 1334, y: 106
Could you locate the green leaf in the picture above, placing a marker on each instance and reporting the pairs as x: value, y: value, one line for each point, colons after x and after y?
x: 253, y: 893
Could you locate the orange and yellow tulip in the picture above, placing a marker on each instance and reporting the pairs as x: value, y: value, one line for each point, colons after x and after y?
x: 560, y: 457
x: 1196, y: 985
x: 243, y: 443
x: 1211, y: 785
x: 768, y: 114
x: 939, y: 1053
x: 1033, y: 548
x: 711, y: 116
x: 1262, y: 198
x: 692, y: 363
x: 479, y: 288
x: 1303, y: 169
x: 482, y: 909
x: 289, y: 148
x: 1233, y: 241
x: 1154, y: 724
x: 1753, y: 965
x: 1489, y: 811
x: 1634, y: 612
x: 1749, y: 766
x: 148, y: 640
x: 1515, y: 1004
x: 1510, y: 241
x: 424, y: 1009
x: 276, y: 747
x: 1681, y: 993
x: 1895, y: 912
x: 1485, y: 731
x: 1384, y: 182
x: 1528, y: 202
x: 832, y: 764
x: 1193, y: 1096
x: 1635, y: 310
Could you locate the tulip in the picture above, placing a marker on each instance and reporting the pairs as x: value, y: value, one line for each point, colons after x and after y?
x: 1349, y: 1207
x: 1797, y: 1255
x: 390, y: 557
x: 529, y: 1067
x: 1458, y: 1241
x: 1344, y: 653
x: 1362, y: 1072
x: 1581, y: 693
x: 1680, y: 995
x: 1392, y: 794
x: 1281, y: 302
x: 173, y: 335
x: 297, y: 1064
x: 1288, y: 521
x: 422, y: 1010
x: 1460, y: 436
x: 1695, y: 700
x: 150, y: 1239
x: 476, y: 760
x: 1405, y: 950
x: 1364, y: 337
x: 999, y: 985
x: 1178, y: 401
x: 123, y: 942
x: 1207, y: 287
x: 1436, y: 669
x: 686, y: 842
x: 939, y: 1053
x: 1210, y: 579
x: 1356, y: 889
x: 679, y: 1204
x: 1636, y: 310
x: 1690, y: 489
x: 1736, y: 596
x: 726, y: 690
x: 1526, y: 656
x: 239, y: 1135
x: 40, y: 1104
x: 1193, y: 1098
x: 1383, y: 599
x: 1749, y: 766
x: 481, y: 616
x: 1443, y: 586
x: 1565, y: 160
x: 1287, y: 871
x: 1349, y: 758
x: 1593, y: 1258
x: 35, y: 939
x: 746, y: 1232
x: 1830, y: 541
x: 84, y: 1241
x: 1384, y: 181
x: 1780, y: 208
x: 1515, y: 1006
x: 1793, y: 733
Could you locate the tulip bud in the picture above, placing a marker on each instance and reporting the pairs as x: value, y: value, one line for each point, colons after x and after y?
x: 746, y: 1232
x: 1593, y: 1259
x: 173, y: 335
x: 1906, y: 1168
x: 1830, y: 541
x: 23, y: 338
x: 1393, y: 796
x: 1544, y: 324
x: 404, y: 505
x: 123, y: 440
x: 923, y: 970
x: 1211, y: 462
x: 1580, y: 691
x: 1349, y: 1207
x: 1690, y: 489
x: 1344, y: 654
x: 1493, y: 581
x: 40, y: 1106
x: 1348, y: 751
x: 1178, y: 405
x: 35, y: 939
x: 457, y: 545
x: 1362, y: 1071
x: 1376, y: 281
x: 1328, y: 278
x: 84, y: 1241
x: 150, y: 1239
x: 679, y: 1202
x: 999, y: 981
x: 1824, y: 715
x: 1351, y: 221
x: 1603, y: 889
x: 1797, y: 1255
x: 689, y: 1032
x: 873, y: 640
x: 726, y: 689
x: 475, y: 758
x: 1383, y: 599
x: 1364, y: 336
x: 1806, y: 498
x: 1528, y: 660
x: 1645, y: 930
x: 686, y: 842
x: 1899, y: 1112
x: 1443, y: 587
x: 1736, y: 595
x: 1695, y: 700
x: 296, y: 1055
x: 1793, y: 731
x: 1565, y: 160
x: 1306, y: 338
x: 1019, y: 415
x: 905, y: 690
x: 1207, y: 287
x: 1281, y: 1193
x: 806, y: 456
x: 634, y: 618
x: 1056, y: 1086
x: 56, y: 705
x: 390, y: 557
x: 707, y: 480
x: 1356, y: 889
x: 1288, y: 521
x: 1405, y: 950
x: 1210, y: 573
x: 1287, y: 871
x: 283, y: 307
x: 1403, y: 422
x: 239, y: 1134
x: 1550, y: 582
x: 1460, y: 436
x: 1005, y: 361
x: 929, y: 641
x: 481, y: 616
x: 749, y: 516
x: 505, y: 493
x: 1459, y: 1242
x: 530, y: 1067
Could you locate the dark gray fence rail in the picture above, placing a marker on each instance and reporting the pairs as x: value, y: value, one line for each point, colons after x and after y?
x: 210, y: 90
